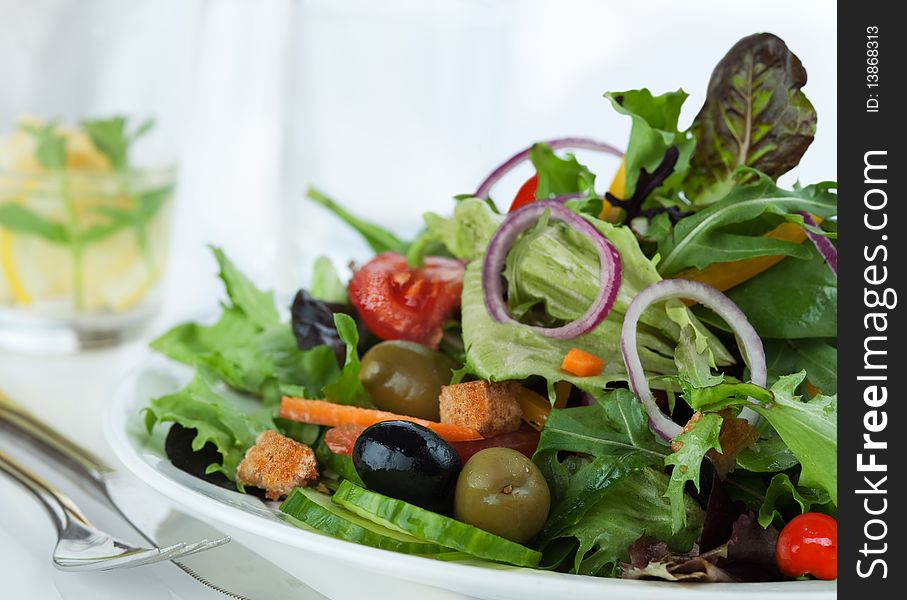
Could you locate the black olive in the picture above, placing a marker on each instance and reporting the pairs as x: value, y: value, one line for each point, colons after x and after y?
x: 409, y: 462
x: 179, y: 449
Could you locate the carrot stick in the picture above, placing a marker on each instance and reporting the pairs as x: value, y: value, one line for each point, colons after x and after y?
x: 582, y: 364
x: 320, y: 412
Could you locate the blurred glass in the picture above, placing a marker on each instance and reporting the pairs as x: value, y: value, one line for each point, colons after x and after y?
x: 84, y: 238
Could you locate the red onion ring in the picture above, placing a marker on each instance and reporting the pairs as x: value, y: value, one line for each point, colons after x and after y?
x: 823, y: 245
x: 556, y: 144
x: 750, y: 343
x: 503, y: 240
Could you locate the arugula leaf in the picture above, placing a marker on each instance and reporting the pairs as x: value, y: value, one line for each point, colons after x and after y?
x: 631, y: 504
x: 809, y: 429
x: 379, y: 239
x: 21, y: 219
x: 768, y: 455
x: 784, y: 498
x: 700, y: 240
x: 348, y: 389
x: 794, y: 299
x: 754, y: 115
x: 654, y: 131
x: 112, y: 139
x: 692, y: 446
x: 326, y: 284
x: 255, y: 304
x: 559, y: 176
x: 230, y: 423
x: 51, y: 145
x: 816, y: 356
x: 615, y: 425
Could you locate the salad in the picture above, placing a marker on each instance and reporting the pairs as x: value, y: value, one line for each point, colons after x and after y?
x: 638, y: 383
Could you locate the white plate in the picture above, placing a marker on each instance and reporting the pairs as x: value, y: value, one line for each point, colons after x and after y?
x: 143, y: 456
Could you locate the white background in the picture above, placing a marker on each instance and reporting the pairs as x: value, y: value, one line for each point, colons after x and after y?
x: 390, y: 106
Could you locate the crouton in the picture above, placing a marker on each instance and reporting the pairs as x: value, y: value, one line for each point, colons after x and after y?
x: 491, y: 408
x: 277, y: 464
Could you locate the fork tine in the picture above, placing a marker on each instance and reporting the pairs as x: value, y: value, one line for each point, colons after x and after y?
x: 201, y: 546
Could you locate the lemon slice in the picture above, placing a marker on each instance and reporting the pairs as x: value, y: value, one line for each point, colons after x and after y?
x: 11, y: 273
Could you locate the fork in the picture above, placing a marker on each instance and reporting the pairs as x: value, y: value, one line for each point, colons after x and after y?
x: 80, y: 545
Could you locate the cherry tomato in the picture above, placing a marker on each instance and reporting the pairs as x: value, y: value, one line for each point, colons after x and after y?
x: 341, y: 439
x: 808, y: 545
x: 526, y: 193
x: 524, y: 440
x: 397, y: 302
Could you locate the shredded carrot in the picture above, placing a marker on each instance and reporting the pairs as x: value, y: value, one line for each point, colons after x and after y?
x: 582, y: 364
x: 725, y: 275
x: 320, y: 412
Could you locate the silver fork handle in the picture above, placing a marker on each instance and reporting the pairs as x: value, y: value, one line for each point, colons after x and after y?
x: 55, y: 444
x: 60, y: 508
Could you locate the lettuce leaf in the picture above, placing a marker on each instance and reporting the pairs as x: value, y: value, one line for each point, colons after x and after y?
x: 809, y: 429
x: 507, y: 351
x: 654, y: 131
x: 229, y: 422
x: 347, y: 389
x: 687, y: 460
x: 783, y: 498
x: 604, y: 501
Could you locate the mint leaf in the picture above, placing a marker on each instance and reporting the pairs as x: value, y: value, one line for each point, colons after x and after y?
x: 111, y: 138
x: 18, y: 218
x: 693, y: 445
x: 51, y: 146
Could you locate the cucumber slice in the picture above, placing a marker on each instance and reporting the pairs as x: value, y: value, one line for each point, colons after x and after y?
x: 316, y: 510
x: 432, y: 527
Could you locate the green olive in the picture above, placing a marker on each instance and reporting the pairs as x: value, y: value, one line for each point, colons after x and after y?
x: 406, y: 378
x: 503, y: 492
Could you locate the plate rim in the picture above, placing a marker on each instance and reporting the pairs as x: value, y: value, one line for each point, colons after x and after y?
x: 441, y: 574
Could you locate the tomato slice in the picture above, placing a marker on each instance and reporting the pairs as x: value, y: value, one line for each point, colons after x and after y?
x: 524, y: 440
x: 397, y: 302
x: 341, y: 439
x: 526, y: 193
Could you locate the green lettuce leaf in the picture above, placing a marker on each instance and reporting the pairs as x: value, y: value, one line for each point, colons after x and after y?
x: 768, y: 455
x: 805, y: 292
x: 702, y: 437
x: 379, y: 239
x: 708, y: 236
x: 783, y: 500
x: 347, y: 389
x: 818, y: 357
x: 256, y: 305
x: 809, y: 429
x: 226, y: 420
x: 630, y: 505
x: 559, y: 176
x: 654, y: 130
x: 754, y: 115
x: 326, y: 284
x: 507, y: 351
